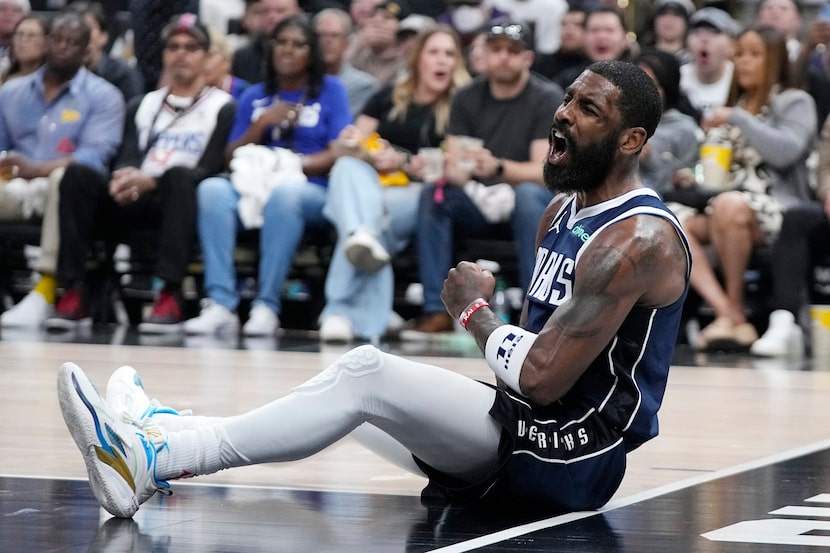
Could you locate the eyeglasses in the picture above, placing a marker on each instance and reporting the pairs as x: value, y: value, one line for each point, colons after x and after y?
x: 189, y: 47
x: 512, y: 31
x: 293, y: 44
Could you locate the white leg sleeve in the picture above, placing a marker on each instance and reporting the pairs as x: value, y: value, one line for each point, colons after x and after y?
x: 438, y: 415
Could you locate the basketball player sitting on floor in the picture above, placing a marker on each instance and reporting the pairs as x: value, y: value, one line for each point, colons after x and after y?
x: 579, y: 383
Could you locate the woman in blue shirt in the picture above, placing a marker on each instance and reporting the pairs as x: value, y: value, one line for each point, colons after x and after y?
x: 299, y: 108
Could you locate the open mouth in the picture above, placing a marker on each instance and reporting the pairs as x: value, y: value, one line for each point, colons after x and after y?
x: 559, y: 147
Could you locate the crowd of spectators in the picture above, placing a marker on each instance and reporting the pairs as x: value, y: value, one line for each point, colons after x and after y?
x: 203, y: 119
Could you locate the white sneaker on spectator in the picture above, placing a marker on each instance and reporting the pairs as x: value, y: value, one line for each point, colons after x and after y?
x: 31, y: 311
x: 336, y: 328
x: 212, y: 319
x: 783, y: 338
x: 262, y: 321
x: 364, y: 251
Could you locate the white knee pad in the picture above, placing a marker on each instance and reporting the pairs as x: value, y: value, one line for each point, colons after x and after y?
x: 358, y: 362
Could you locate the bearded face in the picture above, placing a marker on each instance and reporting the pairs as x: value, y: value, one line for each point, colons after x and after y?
x: 572, y: 168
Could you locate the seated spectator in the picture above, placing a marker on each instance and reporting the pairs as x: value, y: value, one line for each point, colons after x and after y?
x: 570, y: 59
x: 784, y: 15
x: 770, y: 128
x: 334, y: 30
x: 218, y: 66
x: 173, y: 137
x: 475, y: 54
x: 59, y: 115
x: 802, y: 240
x: 670, y: 27
x: 125, y: 77
x: 676, y: 141
x: 500, y: 182
x: 259, y: 21
x: 375, y: 221
x: 375, y: 48
x: 706, y: 79
x: 299, y: 109
x: 28, y: 48
x: 11, y: 12
x: 606, y: 38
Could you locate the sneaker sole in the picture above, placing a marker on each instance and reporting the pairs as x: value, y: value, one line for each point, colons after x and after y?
x: 362, y: 259
x: 67, y: 324
x: 228, y: 328
x: 161, y: 328
x: 106, y: 466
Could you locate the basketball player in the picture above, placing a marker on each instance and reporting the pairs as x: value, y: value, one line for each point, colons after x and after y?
x: 579, y: 383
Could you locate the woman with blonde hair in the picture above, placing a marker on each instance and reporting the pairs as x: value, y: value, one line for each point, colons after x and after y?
x: 375, y: 184
x: 770, y: 129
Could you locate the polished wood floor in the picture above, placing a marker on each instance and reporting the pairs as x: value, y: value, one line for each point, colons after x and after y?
x: 740, y: 439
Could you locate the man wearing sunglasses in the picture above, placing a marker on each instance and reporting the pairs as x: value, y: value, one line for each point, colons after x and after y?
x: 173, y: 138
x: 494, y: 189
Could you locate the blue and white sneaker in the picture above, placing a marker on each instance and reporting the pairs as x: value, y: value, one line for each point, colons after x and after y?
x: 126, y: 396
x: 120, y: 458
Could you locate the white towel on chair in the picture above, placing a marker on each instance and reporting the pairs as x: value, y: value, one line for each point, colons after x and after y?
x: 255, y: 170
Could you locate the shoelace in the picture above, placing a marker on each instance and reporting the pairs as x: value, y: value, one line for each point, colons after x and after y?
x: 152, y: 435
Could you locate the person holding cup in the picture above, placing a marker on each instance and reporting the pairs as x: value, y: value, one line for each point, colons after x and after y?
x: 496, y: 146
x: 770, y: 128
x: 374, y: 185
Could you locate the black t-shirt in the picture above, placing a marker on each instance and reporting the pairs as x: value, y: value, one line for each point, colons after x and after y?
x: 410, y: 131
x: 506, y: 126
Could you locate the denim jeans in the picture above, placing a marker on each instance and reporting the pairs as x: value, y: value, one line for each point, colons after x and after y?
x: 289, y: 208
x: 438, y: 223
x: 357, y: 200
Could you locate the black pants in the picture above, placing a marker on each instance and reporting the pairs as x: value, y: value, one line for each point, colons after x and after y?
x: 804, y: 236
x: 88, y: 213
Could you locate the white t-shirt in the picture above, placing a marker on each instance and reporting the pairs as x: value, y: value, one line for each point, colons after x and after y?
x: 705, y: 95
x: 176, y: 139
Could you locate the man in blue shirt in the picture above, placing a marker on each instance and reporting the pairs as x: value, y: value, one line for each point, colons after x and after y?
x: 59, y: 115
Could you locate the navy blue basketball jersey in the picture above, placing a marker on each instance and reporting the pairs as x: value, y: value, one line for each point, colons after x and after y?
x: 625, y: 383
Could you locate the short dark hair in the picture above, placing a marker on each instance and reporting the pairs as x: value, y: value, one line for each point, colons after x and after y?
x: 607, y: 9
x: 639, y: 100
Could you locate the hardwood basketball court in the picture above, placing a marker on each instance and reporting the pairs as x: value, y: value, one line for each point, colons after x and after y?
x: 742, y: 462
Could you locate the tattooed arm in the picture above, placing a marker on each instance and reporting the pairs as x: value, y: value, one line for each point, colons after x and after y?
x: 637, y: 261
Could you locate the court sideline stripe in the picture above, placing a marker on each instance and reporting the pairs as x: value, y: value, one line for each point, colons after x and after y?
x: 559, y: 520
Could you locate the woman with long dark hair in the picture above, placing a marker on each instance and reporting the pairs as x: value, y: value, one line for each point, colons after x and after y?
x: 297, y: 108
x: 770, y: 129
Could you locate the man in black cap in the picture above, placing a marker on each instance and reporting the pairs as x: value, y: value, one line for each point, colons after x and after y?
x: 376, y: 49
x: 496, y: 185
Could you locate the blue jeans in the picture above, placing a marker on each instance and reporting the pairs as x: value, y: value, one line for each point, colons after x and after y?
x: 357, y: 200
x: 438, y: 223
x: 289, y: 208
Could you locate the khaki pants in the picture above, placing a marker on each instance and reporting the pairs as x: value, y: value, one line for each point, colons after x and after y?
x: 11, y: 211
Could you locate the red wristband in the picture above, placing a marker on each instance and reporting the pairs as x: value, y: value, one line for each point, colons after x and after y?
x: 476, y: 304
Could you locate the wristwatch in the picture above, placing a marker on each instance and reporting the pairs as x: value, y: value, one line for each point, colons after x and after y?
x: 499, y: 168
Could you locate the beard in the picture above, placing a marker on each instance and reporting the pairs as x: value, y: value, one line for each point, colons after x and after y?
x: 586, y: 170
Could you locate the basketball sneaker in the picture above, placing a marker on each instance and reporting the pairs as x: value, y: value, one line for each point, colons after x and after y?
x: 127, y: 398
x: 120, y: 458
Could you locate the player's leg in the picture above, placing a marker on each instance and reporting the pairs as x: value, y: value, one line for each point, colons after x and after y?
x: 438, y: 415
